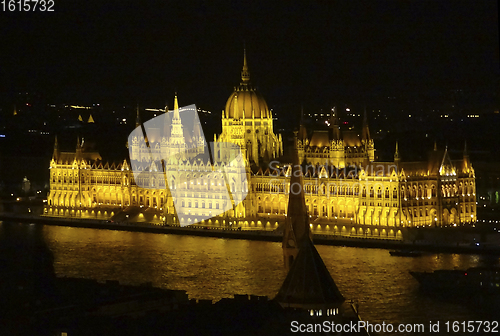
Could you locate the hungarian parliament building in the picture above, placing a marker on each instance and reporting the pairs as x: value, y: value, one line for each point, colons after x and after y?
x: 241, y: 179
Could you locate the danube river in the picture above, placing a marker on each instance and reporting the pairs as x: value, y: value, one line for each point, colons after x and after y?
x: 212, y: 268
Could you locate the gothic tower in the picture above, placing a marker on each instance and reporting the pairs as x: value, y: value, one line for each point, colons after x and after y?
x: 308, y: 284
x: 367, y: 140
x: 297, y: 221
x: 337, y: 146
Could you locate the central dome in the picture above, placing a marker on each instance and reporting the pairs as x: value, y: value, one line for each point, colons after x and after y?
x: 246, y: 101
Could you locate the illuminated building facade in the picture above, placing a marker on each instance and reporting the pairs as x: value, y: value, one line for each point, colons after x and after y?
x: 346, y: 191
x: 336, y: 147
x: 82, y: 186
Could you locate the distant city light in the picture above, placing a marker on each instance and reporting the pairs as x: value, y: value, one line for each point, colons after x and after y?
x: 80, y: 107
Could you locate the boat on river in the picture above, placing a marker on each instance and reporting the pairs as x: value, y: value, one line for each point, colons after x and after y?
x: 474, y: 280
x: 405, y: 253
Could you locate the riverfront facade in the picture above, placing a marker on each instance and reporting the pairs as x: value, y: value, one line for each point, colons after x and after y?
x: 346, y: 190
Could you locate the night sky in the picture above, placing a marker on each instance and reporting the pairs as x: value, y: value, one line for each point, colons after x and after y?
x: 310, y: 53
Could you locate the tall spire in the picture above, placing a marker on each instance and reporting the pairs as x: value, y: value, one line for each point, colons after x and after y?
x: 55, y: 154
x: 297, y: 221
x: 137, y: 118
x: 466, y: 158
x: 444, y: 156
x: 78, y: 154
x: 176, y: 108
x: 396, y: 154
x: 245, y: 74
x: 176, y: 130
x: 176, y: 102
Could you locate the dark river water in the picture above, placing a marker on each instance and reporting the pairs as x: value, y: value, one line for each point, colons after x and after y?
x: 212, y: 268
